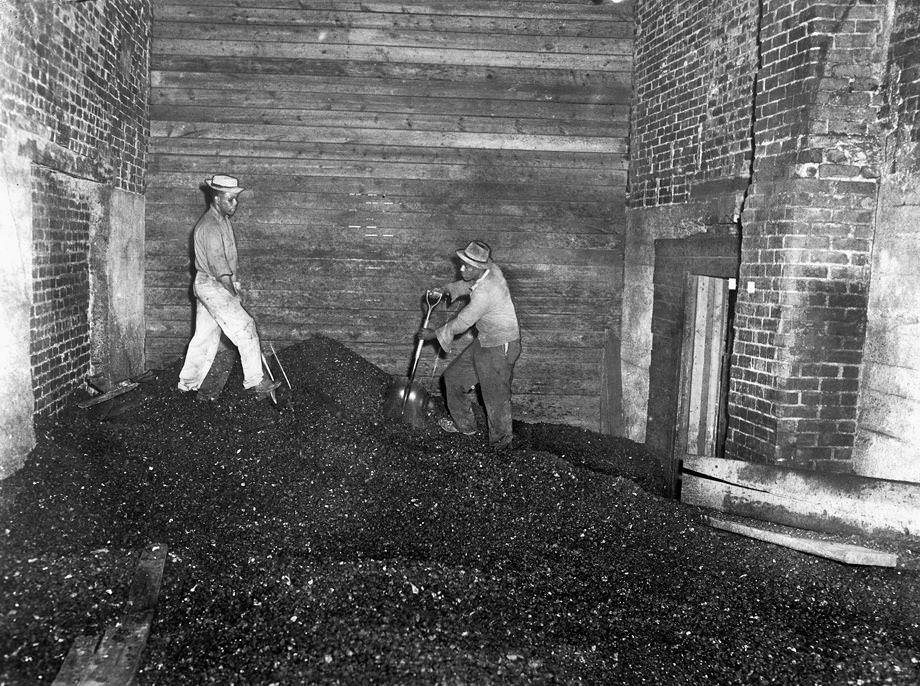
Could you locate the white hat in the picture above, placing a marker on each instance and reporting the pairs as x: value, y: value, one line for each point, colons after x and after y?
x: 224, y: 184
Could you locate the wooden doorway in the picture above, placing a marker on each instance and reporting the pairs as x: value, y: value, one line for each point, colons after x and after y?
x: 703, y: 386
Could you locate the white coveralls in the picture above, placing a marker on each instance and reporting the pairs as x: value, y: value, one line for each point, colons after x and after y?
x: 217, y: 308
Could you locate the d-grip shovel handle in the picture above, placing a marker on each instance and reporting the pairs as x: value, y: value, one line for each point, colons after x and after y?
x: 418, y: 346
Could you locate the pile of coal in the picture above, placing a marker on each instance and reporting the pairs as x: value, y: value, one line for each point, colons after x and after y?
x: 316, y: 541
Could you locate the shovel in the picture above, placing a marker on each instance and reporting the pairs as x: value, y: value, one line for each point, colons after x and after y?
x: 405, y: 399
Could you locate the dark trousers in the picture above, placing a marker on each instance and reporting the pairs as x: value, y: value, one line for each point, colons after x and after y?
x: 492, y: 368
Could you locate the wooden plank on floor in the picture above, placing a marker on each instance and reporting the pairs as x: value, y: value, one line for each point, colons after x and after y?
x: 122, y: 387
x: 113, y: 658
x: 841, y: 552
x: 145, y: 585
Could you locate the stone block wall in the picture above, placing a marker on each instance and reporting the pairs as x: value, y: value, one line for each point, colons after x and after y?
x: 887, y: 441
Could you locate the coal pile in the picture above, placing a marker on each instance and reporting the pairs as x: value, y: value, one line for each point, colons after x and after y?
x: 317, y: 542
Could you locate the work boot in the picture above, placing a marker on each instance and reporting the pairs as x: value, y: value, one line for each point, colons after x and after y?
x: 503, y: 444
x: 451, y: 428
x: 264, y: 388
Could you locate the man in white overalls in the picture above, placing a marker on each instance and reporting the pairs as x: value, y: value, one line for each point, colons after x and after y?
x: 219, y: 305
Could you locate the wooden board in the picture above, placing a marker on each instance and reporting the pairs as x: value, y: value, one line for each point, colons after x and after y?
x: 841, y: 552
x: 330, y: 36
x: 609, y: 24
x: 122, y: 387
x: 113, y: 657
x: 515, y: 9
x: 253, y: 75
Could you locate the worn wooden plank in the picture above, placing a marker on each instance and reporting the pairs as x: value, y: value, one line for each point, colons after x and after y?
x: 386, y: 294
x: 363, y: 320
x: 490, y: 90
x: 336, y: 18
x: 311, y: 121
x: 330, y: 101
x: 114, y: 657
x: 347, y: 299
x: 182, y: 136
x: 122, y: 387
x: 80, y: 653
x: 423, y: 252
x: 523, y: 153
x: 240, y: 167
x: 567, y: 82
x: 834, y: 503
x: 841, y: 552
x: 373, y: 53
x: 330, y: 37
x: 357, y: 224
x: 145, y: 584
x: 499, y: 197
x: 520, y: 90
x: 512, y: 9
x: 396, y: 21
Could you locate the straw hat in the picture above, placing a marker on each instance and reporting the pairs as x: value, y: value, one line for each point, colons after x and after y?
x: 224, y: 184
x: 476, y: 254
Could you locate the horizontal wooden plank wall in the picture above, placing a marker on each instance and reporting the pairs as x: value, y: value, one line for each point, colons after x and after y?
x: 378, y: 137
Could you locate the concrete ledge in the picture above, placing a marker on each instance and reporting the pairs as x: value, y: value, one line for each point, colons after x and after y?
x: 833, y: 503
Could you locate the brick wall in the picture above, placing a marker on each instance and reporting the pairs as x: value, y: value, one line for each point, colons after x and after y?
x: 784, y: 95
x: 76, y: 76
x: 74, y: 81
x: 693, y: 84
x: 690, y: 156
x: 61, y: 221
x: 807, y: 231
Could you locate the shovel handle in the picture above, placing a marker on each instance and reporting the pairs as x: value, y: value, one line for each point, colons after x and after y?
x: 418, y: 346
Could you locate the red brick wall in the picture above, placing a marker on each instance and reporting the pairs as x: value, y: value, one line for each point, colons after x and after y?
x: 74, y: 80
x: 807, y: 232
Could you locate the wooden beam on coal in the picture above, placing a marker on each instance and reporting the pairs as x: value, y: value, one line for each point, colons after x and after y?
x: 113, y: 657
x: 841, y: 552
x: 805, y: 499
x: 122, y: 387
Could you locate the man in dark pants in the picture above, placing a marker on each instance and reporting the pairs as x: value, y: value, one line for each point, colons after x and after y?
x: 489, y: 360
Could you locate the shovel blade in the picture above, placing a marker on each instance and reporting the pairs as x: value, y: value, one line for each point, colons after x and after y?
x: 407, y: 402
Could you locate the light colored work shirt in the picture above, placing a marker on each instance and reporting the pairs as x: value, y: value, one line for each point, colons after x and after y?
x: 490, y: 310
x: 215, y: 245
